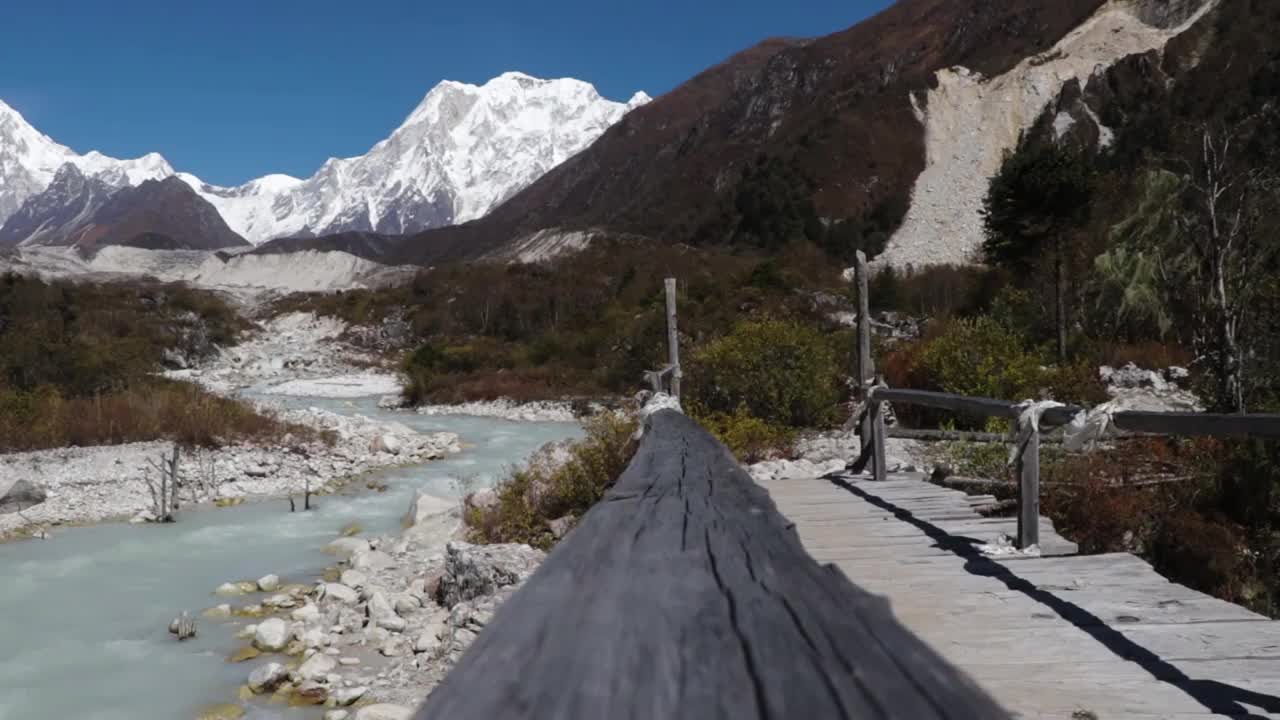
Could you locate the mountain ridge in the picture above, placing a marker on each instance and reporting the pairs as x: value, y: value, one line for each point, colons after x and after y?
x: 825, y: 126
x: 441, y: 165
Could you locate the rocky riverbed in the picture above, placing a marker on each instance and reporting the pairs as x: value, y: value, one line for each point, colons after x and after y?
x: 296, y: 354
x: 383, y: 626
x: 82, y: 485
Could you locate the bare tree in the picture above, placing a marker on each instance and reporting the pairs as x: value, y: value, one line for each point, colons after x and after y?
x: 1222, y: 222
x: 203, y: 482
x: 164, y: 488
x: 1197, y: 242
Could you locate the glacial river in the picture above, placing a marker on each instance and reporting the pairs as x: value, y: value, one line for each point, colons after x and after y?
x: 84, y: 615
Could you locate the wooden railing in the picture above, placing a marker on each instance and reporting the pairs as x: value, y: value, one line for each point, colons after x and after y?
x: 684, y: 593
x: 1026, y: 435
x: 874, y: 393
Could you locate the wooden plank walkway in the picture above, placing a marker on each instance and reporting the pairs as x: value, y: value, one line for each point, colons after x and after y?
x: 1059, y: 636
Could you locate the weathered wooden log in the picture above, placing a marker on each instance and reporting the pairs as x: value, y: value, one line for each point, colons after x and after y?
x: 864, y: 369
x: 1199, y: 424
x: 1028, y: 486
x: 879, y: 459
x: 984, y: 407
x: 685, y: 594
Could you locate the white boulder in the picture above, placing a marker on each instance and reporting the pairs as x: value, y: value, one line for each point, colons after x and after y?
x: 425, y: 506
x: 271, y: 635
x: 269, y: 583
x: 315, y: 668
x: 384, y: 711
x: 267, y: 677
x: 306, y: 613
x: 386, y: 443
x: 353, y: 578
x: 383, y: 614
x: 228, y: 589
x: 345, y: 547
x: 349, y: 696
x: 341, y: 593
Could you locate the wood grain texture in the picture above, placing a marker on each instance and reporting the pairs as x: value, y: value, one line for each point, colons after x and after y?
x: 1069, y: 636
x: 685, y: 594
x: 1199, y: 424
x: 986, y: 407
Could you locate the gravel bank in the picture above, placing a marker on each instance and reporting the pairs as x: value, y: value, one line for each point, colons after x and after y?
x: 100, y: 483
x: 384, y: 625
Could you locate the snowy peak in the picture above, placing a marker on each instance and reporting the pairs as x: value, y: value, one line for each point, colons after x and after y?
x: 29, y: 161
x: 87, y: 211
x: 462, y: 151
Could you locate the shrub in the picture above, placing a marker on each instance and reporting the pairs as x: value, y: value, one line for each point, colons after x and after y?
x: 782, y: 372
x: 748, y: 437
x: 1077, y: 384
x: 530, y: 498
x: 78, y: 364
x: 987, y: 461
x: 151, y: 410
x: 979, y: 357
x: 1206, y: 554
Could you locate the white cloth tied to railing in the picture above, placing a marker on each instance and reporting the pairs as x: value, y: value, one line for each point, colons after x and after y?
x: 1085, y: 428
x: 1029, y: 414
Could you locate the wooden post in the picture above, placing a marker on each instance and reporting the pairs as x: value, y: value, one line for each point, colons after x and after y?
x: 867, y: 447
x: 1029, y: 490
x: 673, y: 339
x: 865, y: 367
x: 879, y: 465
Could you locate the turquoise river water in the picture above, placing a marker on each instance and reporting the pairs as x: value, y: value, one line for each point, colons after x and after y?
x: 83, y: 615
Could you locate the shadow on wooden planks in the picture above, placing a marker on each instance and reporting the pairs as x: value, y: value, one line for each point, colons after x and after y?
x: 1214, y: 696
x: 686, y: 594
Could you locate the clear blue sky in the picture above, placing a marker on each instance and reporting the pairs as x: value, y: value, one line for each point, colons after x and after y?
x: 234, y: 89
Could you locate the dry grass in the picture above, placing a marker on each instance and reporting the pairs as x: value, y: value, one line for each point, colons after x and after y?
x: 1160, y: 499
x: 153, y: 410
x: 530, y: 498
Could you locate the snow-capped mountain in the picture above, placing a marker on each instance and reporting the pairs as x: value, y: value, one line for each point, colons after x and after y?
x: 464, y: 150
x: 461, y: 152
x: 88, y: 212
x: 29, y: 160
x: 48, y: 217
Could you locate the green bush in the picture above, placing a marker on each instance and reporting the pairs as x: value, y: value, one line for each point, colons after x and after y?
x: 1076, y: 384
x: 530, y: 498
x: 748, y: 437
x: 982, y: 358
x: 782, y: 372
x: 420, y: 368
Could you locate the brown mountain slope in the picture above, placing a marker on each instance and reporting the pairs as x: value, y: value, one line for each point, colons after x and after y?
x: 831, y: 118
x: 160, y: 215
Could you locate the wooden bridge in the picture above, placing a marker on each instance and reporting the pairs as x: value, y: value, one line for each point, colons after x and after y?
x: 1056, y: 636
x: 693, y: 592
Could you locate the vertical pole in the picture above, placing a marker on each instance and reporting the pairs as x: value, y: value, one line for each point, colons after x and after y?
x: 879, y: 468
x: 173, y: 486
x: 1029, y: 490
x: 865, y: 368
x: 673, y: 339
